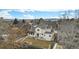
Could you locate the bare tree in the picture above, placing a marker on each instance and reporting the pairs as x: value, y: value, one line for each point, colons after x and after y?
x: 76, y: 14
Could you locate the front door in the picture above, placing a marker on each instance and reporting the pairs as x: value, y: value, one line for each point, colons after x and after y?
x: 37, y: 34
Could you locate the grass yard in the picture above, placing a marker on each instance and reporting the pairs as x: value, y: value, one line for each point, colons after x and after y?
x: 38, y: 43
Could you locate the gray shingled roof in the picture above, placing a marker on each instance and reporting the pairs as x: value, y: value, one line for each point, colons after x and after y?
x: 41, y: 26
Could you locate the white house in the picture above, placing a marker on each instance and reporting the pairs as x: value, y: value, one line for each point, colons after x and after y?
x: 43, y: 32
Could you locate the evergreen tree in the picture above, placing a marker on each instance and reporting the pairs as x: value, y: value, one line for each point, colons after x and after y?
x: 23, y: 21
x: 15, y: 21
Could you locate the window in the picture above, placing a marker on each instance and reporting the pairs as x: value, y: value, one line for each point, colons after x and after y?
x: 37, y: 29
x: 49, y: 35
x: 38, y: 34
x: 32, y: 33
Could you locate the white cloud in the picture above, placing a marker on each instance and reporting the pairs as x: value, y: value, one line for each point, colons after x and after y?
x: 20, y: 10
x: 27, y: 16
x: 23, y: 10
x: 48, y: 17
x: 53, y: 17
x: 5, y: 14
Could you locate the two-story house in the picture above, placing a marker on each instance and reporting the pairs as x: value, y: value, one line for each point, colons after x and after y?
x: 43, y: 32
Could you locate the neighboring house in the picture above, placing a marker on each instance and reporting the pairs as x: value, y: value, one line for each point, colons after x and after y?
x: 43, y: 32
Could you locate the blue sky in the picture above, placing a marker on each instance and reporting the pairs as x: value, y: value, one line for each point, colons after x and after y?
x: 30, y: 9
x: 31, y: 14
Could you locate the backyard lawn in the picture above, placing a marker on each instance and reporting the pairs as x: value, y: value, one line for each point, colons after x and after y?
x: 37, y: 43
